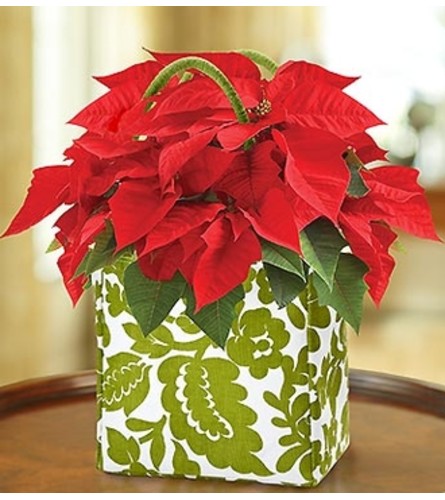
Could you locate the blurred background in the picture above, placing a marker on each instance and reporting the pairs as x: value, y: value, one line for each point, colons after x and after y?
x: 47, y: 57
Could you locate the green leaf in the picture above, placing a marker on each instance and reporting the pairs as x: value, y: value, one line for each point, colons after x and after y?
x: 82, y: 266
x: 221, y: 422
x: 289, y: 439
x: 138, y: 425
x: 272, y: 400
x: 285, y: 286
x: 321, y: 244
x: 346, y: 296
x: 53, y: 246
x: 125, y: 383
x: 133, y: 331
x: 334, y: 385
x: 122, y: 450
x: 115, y: 298
x: 265, y: 294
x: 102, y: 252
x: 306, y: 468
x: 313, y: 340
x: 187, y: 325
x: 357, y: 187
x: 182, y: 465
x: 398, y: 246
x: 157, y: 450
x: 133, y: 449
x: 154, y: 434
x: 150, y: 301
x: 303, y: 426
x: 289, y: 457
x: 345, y: 421
x: 120, y: 263
x: 138, y: 469
x: 102, y: 329
x: 215, y: 319
x: 300, y: 406
x: 280, y: 422
x: 319, y: 315
x: 283, y: 258
x: 100, y: 255
x: 156, y: 344
x: 296, y: 316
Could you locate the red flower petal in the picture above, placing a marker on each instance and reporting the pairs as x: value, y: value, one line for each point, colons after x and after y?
x: 89, y: 175
x: 190, y: 263
x: 80, y: 232
x: 234, y: 136
x: 370, y: 242
x: 106, y: 148
x: 304, y: 213
x: 162, y: 264
x: 103, y: 114
x: 328, y: 108
x: 378, y: 282
x: 47, y: 191
x: 187, y: 124
x: 366, y: 148
x: 315, y: 168
x: 74, y: 287
x: 201, y: 92
x: 68, y: 222
x: 238, y: 222
x: 396, y: 183
x: 204, y: 170
x: 141, y: 74
x: 179, y: 221
x: 251, y: 175
x: 176, y: 154
x: 92, y: 176
x: 92, y: 227
x: 225, y: 263
x: 397, y: 199
x: 136, y: 208
x: 274, y: 220
x: 293, y: 73
x: 192, y: 241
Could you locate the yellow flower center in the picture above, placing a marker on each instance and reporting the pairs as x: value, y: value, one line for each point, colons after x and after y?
x: 263, y: 108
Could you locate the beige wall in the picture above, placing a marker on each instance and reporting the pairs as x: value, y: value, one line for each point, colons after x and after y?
x: 17, y: 301
x: 272, y: 30
x: 39, y: 332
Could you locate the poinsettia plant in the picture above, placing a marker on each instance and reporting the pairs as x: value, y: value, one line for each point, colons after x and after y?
x: 196, y: 166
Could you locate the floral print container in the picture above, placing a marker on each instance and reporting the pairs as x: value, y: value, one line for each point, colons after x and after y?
x: 270, y: 407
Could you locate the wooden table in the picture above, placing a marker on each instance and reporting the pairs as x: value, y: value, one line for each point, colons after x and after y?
x: 47, y: 441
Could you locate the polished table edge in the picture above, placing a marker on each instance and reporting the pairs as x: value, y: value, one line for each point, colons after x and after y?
x: 413, y: 394
x: 54, y: 388
x: 365, y: 385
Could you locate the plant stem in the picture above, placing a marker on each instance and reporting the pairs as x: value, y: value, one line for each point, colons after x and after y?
x: 260, y: 59
x: 208, y: 69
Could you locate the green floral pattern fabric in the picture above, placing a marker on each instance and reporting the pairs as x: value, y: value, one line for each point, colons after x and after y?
x: 271, y: 407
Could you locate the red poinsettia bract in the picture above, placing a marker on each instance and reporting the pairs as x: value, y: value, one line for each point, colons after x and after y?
x: 177, y: 178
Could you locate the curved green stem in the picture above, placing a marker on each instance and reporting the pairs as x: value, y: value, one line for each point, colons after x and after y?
x: 208, y: 69
x: 260, y: 59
